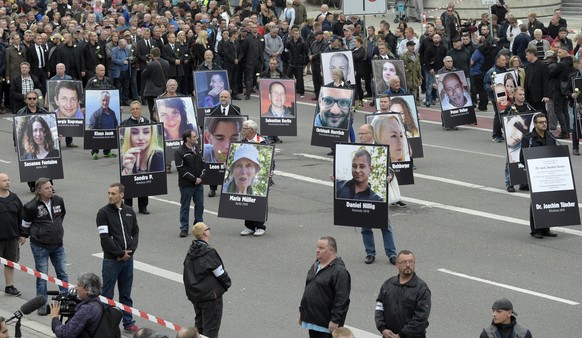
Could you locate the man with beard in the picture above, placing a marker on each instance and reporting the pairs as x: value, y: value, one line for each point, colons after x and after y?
x: 334, y: 108
x: 407, y: 317
x: 71, y: 56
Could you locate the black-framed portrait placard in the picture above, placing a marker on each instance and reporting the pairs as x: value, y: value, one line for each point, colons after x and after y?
x: 360, y: 186
x: 332, y: 116
x: 102, y: 117
x: 39, y: 154
x: 245, y: 189
x: 219, y: 133
x: 383, y: 70
x: 406, y: 106
x: 278, y: 107
x: 142, y: 159
x: 208, y: 84
x: 64, y: 98
x: 515, y: 128
x: 552, y: 188
x: 456, y: 103
x: 176, y: 114
x: 389, y: 130
x: 503, y: 86
x: 342, y: 60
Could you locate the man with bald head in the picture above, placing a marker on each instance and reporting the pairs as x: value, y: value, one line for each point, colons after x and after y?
x: 10, y: 231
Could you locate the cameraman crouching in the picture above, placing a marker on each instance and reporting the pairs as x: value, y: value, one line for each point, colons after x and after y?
x: 87, y: 316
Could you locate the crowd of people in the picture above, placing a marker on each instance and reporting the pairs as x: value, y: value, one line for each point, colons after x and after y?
x: 149, y: 51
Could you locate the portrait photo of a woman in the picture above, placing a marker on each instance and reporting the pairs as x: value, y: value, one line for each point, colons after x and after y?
x: 389, y: 130
x: 177, y: 115
x: 141, y: 151
x: 385, y: 69
x: 243, y: 171
x: 37, y: 139
x: 399, y: 105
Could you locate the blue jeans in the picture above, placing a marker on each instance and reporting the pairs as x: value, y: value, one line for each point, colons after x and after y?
x: 430, y: 80
x: 58, y: 259
x: 507, y: 180
x: 121, y: 272
x: 187, y: 194
x: 389, y: 247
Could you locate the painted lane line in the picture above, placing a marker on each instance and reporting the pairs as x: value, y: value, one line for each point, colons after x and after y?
x: 154, y: 270
x: 7, y: 162
x: 447, y: 207
x: 178, y: 204
x: 510, y: 287
x: 463, y: 150
x: 442, y: 180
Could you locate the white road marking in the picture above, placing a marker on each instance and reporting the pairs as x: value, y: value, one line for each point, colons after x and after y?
x: 430, y: 204
x: 178, y: 204
x: 7, y: 162
x: 463, y: 150
x: 441, y: 179
x: 510, y: 287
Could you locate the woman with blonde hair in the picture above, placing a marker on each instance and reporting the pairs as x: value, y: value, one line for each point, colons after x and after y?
x: 515, y: 64
x: 200, y: 47
x: 388, y: 129
x: 140, y: 152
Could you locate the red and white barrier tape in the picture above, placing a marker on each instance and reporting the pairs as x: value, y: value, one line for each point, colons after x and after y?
x: 106, y: 300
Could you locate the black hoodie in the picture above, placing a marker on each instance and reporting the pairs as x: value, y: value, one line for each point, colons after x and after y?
x: 204, y: 276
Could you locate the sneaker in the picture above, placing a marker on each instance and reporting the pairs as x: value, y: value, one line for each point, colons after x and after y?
x: 259, y: 232
x: 95, y: 156
x: 399, y: 204
x: 212, y: 193
x: 510, y: 188
x: 369, y: 259
x: 131, y: 328
x: 392, y: 260
x: 72, y: 145
x: 110, y: 155
x: 302, y: 96
x: 576, y: 152
x: 183, y: 233
x: 497, y: 139
x: 247, y: 232
x: 11, y: 290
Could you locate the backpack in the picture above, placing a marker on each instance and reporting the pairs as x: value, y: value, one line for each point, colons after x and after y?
x: 109, y: 324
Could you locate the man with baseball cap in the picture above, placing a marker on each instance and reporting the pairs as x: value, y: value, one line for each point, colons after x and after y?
x: 504, y: 323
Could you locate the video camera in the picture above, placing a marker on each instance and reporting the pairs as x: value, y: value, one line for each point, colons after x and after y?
x: 468, y: 26
x: 67, y: 300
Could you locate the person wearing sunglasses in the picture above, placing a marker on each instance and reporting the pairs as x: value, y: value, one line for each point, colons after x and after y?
x: 334, y: 108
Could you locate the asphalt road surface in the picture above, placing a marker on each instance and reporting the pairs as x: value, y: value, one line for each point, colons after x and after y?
x: 470, y: 237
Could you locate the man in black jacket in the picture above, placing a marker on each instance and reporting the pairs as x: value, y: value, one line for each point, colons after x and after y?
x: 205, y: 281
x: 154, y: 77
x: 42, y: 220
x: 189, y: 164
x: 539, y: 137
x: 11, y: 234
x: 297, y: 56
x: 326, y: 297
x: 252, y: 54
x: 315, y: 50
x: 407, y: 317
x: 536, y: 81
x: 504, y: 323
x: 119, y: 232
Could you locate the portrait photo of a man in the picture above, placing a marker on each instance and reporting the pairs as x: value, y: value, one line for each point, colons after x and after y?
x: 333, y: 108
x: 453, y: 91
x: 219, y: 133
x: 103, y: 109
x: 208, y: 85
x: 277, y: 98
x: 338, y: 60
x: 65, y: 98
x: 355, y: 165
